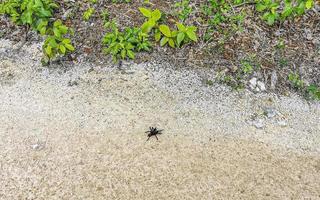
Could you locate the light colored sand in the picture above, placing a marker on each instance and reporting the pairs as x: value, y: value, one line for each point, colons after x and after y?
x: 87, y: 141
x: 122, y: 166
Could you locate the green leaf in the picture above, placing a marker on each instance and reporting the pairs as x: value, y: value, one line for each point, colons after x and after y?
x: 53, y: 5
x: 260, y: 7
x: 66, y: 41
x: 56, y: 32
x: 181, y: 27
x: 192, y: 35
x: 164, y: 41
x: 287, y: 11
x: 147, y: 26
x: 171, y: 43
x: 130, y: 54
x: 123, y: 53
x: 312, y: 88
x: 38, y: 3
x: 62, y: 49
x: 42, y: 23
x: 26, y: 17
x: 180, y: 38
x: 174, y: 33
x: 69, y: 46
x: 57, y: 23
x: 309, y: 4
x: 192, y: 28
x: 48, y: 51
x: 43, y: 30
x: 63, y: 29
x: 271, y: 19
x: 145, y: 12
x: 52, y: 42
x: 157, y: 36
x: 300, y: 9
x: 44, y: 13
x: 156, y: 15
x: 165, y: 30
x: 129, y: 46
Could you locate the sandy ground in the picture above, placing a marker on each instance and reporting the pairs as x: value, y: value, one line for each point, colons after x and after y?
x: 78, y: 133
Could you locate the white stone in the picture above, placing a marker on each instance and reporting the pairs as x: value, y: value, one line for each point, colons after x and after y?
x: 261, y: 86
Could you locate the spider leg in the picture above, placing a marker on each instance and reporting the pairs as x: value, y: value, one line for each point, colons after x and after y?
x: 156, y: 137
x: 147, y: 132
x: 148, y: 138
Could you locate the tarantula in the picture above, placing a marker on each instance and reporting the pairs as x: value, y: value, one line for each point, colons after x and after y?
x: 153, y: 131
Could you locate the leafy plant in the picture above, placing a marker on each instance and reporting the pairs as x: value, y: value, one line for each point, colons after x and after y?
x: 185, y: 34
x: 56, y: 43
x: 235, y: 82
x: 176, y: 38
x: 163, y: 33
x: 105, y: 16
x: 88, y: 13
x: 311, y: 92
x: 273, y: 11
x: 296, y: 81
x: 246, y: 68
x: 152, y: 16
x: 168, y: 36
x: 314, y: 92
x: 124, y: 44
x: 269, y: 7
x: 183, y: 9
x: 37, y: 15
x: 216, y: 10
x: 29, y: 13
x: 219, y: 16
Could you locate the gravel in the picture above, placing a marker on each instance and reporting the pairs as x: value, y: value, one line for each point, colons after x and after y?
x: 213, y: 107
x: 84, y: 118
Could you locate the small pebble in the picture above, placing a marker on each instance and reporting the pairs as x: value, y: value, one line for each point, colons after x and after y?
x: 36, y: 147
x: 258, y: 123
x: 282, y: 123
x: 270, y: 112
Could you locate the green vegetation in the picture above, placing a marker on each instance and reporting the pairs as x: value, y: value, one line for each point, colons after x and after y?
x: 124, y: 44
x: 177, y: 37
x: 183, y: 9
x: 296, y: 81
x: 163, y: 33
x: 88, y: 13
x: 312, y: 91
x: 152, y: 19
x: 105, y: 16
x: 168, y: 36
x: 28, y: 13
x: 216, y: 24
x: 37, y: 16
x: 237, y: 76
x: 272, y: 11
x: 55, y: 42
x: 221, y: 12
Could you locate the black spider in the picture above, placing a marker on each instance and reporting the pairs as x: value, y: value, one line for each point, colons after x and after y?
x: 153, y: 131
